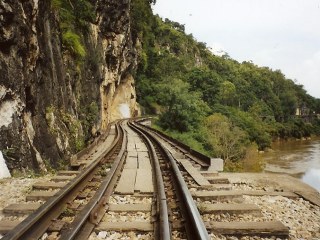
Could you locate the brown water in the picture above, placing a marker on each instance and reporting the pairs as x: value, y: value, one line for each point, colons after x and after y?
x: 300, y: 159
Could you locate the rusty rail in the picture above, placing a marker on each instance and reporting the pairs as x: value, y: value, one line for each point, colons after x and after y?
x: 89, y: 215
x: 164, y: 230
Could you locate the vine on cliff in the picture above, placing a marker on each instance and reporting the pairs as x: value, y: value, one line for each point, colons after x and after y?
x: 74, y: 18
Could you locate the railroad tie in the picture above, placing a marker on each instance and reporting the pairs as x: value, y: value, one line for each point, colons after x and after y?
x: 209, y: 173
x: 125, y: 226
x: 68, y: 173
x: 265, y: 229
x: 61, y: 178
x: 218, y: 180
x: 48, y: 185
x: 194, y: 173
x: 6, y: 226
x: 239, y: 193
x: 231, y: 208
x: 137, y: 207
x: 40, y: 195
x: 21, y: 208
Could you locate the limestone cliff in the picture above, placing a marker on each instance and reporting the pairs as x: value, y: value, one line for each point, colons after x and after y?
x: 52, y: 103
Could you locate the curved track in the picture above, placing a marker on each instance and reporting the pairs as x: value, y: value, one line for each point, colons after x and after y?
x: 194, y: 225
x: 139, y: 164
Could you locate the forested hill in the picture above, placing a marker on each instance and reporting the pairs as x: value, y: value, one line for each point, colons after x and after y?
x: 215, y: 104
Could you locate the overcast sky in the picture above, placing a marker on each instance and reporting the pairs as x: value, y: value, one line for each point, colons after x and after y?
x: 280, y: 34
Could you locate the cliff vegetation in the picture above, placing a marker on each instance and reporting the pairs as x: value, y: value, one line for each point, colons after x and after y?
x: 66, y: 69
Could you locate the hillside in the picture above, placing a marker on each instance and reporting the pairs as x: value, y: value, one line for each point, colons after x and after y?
x: 219, y: 106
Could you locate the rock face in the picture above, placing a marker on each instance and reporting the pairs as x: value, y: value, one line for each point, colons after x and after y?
x: 50, y: 104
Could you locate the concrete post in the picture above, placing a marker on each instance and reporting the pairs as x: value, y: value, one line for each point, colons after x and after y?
x: 216, y: 164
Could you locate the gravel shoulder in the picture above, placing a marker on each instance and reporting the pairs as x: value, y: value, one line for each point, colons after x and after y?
x: 301, y: 215
x: 276, y: 182
x: 14, y: 190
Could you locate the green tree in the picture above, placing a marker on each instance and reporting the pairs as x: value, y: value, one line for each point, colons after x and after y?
x: 261, y: 111
x: 206, y: 81
x: 228, y: 141
x: 184, y: 109
x: 227, y: 93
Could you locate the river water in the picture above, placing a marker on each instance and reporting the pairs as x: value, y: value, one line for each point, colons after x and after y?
x: 300, y: 159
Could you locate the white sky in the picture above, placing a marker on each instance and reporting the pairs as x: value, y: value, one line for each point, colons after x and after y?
x: 280, y: 34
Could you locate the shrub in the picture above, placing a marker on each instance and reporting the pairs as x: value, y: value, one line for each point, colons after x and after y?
x: 72, y: 41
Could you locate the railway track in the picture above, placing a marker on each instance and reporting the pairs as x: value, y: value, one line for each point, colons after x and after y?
x: 138, y: 183
x: 65, y: 206
x: 183, y: 213
x: 220, y: 204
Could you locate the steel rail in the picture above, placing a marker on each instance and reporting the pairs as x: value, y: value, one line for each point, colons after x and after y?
x: 75, y: 227
x: 37, y: 223
x: 164, y: 230
x: 197, y: 229
x: 204, y: 160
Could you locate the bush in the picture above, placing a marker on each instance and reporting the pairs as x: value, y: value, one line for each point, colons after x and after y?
x: 72, y: 41
x: 196, y: 139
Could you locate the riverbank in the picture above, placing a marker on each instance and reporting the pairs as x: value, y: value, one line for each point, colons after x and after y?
x: 300, y: 159
x: 275, y: 182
